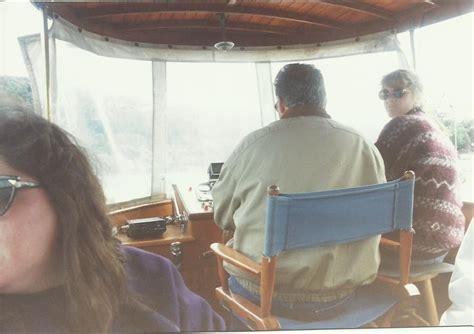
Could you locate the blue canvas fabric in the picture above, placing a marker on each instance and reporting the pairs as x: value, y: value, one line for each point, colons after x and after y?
x: 332, y: 217
x: 336, y: 216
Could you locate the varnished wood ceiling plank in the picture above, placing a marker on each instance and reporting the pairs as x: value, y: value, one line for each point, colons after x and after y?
x: 108, y: 11
x: 202, y: 24
x: 282, y: 22
x: 405, y: 18
x: 363, y: 8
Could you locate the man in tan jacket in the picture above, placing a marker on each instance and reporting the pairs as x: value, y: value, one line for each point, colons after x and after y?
x: 304, y: 151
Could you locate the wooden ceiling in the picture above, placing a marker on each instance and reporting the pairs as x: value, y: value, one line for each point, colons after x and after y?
x: 252, y: 23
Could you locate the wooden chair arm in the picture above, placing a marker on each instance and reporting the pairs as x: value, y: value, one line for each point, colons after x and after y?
x: 387, y: 279
x: 237, y: 259
x: 389, y: 244
x: 403, y: 248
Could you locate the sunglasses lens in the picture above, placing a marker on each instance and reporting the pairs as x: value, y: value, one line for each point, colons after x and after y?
x: 398, y: 93
x: 384, y: 94
x: 6, y: 193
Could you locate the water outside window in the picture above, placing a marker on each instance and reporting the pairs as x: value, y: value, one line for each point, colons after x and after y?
x: 16, y: 19
x: 107, y: 104
x: 211, y: 107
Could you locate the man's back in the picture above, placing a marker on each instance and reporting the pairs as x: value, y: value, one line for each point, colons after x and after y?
x: 299, y: 154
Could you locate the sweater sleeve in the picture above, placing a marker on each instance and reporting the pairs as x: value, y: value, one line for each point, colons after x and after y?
x: 389, y: 144
x: 414, y: 142
x: 403, y: 143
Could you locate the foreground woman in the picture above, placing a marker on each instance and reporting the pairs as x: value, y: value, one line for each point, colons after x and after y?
x: 61, y: 270
x: 414, y: 141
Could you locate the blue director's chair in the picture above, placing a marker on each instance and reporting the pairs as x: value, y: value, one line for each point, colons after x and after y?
x: 325, y: 218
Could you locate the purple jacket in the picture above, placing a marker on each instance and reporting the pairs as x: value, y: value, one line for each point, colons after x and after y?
x: 166, y: 304
x: 173, y: 307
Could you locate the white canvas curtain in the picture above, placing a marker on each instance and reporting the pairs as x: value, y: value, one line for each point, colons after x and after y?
x: 117, y: 154
x: 380, y: 42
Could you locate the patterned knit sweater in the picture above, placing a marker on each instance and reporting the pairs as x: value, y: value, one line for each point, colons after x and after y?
x: 415, y: 142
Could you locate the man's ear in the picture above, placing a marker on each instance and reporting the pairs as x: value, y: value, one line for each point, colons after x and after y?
x: 281, y: 107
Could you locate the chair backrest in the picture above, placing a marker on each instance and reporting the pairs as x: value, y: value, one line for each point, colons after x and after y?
x: 302, y: 220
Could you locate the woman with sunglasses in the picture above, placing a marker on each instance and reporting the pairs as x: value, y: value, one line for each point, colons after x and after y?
x: 61, y: 269
x: 414, y: 141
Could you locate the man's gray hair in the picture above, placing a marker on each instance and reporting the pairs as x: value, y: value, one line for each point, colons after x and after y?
x: 300, y: 84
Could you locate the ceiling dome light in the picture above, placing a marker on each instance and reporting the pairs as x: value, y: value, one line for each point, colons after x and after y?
x: 224, y: 45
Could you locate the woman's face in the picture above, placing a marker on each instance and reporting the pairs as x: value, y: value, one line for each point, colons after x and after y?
x: 398, y: 106
x: 28, y: 239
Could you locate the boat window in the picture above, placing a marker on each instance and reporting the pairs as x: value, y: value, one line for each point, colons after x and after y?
x: 107, y: 104
x: 210, y: 107
x: 445, y: 64
x: 13, y: 74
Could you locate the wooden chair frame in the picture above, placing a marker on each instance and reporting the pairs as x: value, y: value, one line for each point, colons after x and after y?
x: 259, y: 317
x: 426, y: 288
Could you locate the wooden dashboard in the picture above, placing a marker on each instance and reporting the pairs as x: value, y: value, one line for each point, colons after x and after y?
x: 196, y: 261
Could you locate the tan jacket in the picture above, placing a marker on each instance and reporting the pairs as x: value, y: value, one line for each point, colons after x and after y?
x: 299, y: 154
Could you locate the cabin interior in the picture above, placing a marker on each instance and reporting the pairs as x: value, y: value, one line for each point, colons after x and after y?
x: 157, y: 91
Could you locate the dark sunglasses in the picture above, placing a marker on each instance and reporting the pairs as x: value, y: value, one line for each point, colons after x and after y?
x: 384, y: 94
x: 9, y: 185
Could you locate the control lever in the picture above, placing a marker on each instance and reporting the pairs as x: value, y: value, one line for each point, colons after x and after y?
x: 177, y: 253
x: 179, y: 217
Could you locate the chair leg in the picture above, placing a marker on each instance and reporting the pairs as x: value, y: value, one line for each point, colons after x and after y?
x: 386, y: 319
x: 422, y: 321
x: 429, y: 302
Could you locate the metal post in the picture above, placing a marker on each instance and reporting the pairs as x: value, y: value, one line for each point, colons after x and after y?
x: 265, y: 93
x: 412, y: 44
x: 47, y: 64
x: 158, y: 175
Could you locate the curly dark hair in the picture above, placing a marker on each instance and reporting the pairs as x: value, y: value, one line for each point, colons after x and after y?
x: 94, y: 265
